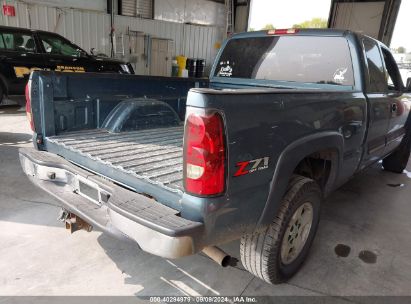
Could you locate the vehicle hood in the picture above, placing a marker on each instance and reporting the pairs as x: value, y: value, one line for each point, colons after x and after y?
x: 107, y: 60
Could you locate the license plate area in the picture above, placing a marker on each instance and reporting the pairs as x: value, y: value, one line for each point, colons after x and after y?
x: 90, y: 191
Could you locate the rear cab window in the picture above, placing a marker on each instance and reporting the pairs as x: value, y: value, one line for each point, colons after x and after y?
x: 17, y: 42
x: 302, y: 59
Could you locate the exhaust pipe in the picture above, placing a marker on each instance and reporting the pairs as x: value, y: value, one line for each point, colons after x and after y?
x: 217, y: 255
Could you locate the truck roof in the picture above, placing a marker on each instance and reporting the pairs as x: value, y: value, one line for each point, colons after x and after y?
x: 23, y: 29
x: 303, y: 32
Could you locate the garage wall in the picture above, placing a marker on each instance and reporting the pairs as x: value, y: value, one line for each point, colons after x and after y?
x: 189, y: 40
x: 93, y: 5
x: 91, y: 29
x: 191, y: 11
x: 86, y: 28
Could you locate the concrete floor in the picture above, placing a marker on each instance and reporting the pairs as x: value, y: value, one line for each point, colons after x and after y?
x: 39, y: 257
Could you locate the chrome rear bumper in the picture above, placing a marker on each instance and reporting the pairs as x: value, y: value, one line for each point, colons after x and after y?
x: 123, y: 213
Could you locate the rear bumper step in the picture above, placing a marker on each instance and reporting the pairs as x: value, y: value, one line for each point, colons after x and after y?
x: 123, y: 213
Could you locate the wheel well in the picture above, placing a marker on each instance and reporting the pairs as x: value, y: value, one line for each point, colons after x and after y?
x: 3, y: 85
x: 317, y: 166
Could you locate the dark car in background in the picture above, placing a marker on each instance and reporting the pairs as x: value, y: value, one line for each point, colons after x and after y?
x: 24, y: 50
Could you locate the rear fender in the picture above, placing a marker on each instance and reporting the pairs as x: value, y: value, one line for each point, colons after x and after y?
x: 288, y: 161
x: 5, y: 84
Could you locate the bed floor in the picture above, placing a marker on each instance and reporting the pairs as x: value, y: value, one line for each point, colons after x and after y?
x: 154, y: 154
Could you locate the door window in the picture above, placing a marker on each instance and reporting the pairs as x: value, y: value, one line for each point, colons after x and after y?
x: 394, y: 81
x: 59, y: 46
x: 377, y: 81
x: 13, y: 41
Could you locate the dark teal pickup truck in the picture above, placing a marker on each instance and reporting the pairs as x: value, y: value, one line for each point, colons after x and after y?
x: 286, y: 118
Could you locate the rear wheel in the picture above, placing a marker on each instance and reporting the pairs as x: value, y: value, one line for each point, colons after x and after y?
x: 277, y: 253
x: 1, y: 94
x: 397, y: 161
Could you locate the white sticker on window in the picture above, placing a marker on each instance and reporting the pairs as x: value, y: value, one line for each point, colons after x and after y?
x: 339, y: 75
x: 225, y: 70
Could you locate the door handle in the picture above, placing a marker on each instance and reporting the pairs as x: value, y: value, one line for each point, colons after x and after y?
x: 394, y: 107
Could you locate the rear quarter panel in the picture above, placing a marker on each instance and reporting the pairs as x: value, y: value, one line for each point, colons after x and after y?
x: 284, y: 126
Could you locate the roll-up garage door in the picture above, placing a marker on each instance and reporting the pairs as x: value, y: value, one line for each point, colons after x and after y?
x: 137, y: 8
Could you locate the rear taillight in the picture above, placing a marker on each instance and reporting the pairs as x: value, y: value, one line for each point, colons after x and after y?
x: 28, y: 105
x: 204, y: 154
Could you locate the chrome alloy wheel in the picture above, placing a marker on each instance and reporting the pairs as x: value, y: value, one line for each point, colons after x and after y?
x: 297, y: 233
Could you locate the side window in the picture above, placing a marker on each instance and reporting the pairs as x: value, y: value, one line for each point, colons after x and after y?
x: 18, y: 42
x: 394, y: 81
x: 375, y: 67
x: 2, y: 46
x: 58, y: 46
x: 8, y: 41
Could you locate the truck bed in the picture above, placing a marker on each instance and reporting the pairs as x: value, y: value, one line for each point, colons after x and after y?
x: 154, y: 155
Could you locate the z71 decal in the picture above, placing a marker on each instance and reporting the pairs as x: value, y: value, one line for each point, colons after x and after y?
x: 251, y: 166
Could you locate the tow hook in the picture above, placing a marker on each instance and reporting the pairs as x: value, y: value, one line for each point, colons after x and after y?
x: 73, y: 222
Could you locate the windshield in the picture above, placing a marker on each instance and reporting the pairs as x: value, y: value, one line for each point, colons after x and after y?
x: 307, y: 59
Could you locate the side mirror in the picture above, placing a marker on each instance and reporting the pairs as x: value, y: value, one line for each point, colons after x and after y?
x: 408, y: 85
x: 92, y: 51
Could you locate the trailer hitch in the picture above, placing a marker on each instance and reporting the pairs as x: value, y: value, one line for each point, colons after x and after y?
x: 73, y: 222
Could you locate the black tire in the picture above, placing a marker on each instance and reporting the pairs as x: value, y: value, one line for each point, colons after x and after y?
x: 1, y: 93
x: 397, y: 161
x: 261, y: 252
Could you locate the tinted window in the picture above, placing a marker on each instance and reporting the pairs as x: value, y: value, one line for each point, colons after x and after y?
x: 376, y: 74
x: 59, y: 46
x: 288, y: 58
x: 12, y: 41
x: 394, y: 81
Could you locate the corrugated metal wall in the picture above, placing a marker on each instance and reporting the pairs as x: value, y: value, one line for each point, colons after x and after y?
x: 191, y: 11
x: 86, y: 28
x: 189, y: 40
x: 91, y: 29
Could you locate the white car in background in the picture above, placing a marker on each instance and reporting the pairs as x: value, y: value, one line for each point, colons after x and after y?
x: 405, y: 74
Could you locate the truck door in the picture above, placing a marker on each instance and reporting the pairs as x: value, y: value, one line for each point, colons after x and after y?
x: 18, y: 57
x: 399, y: 107
x: 379, y: 103
x: 62, y: 55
